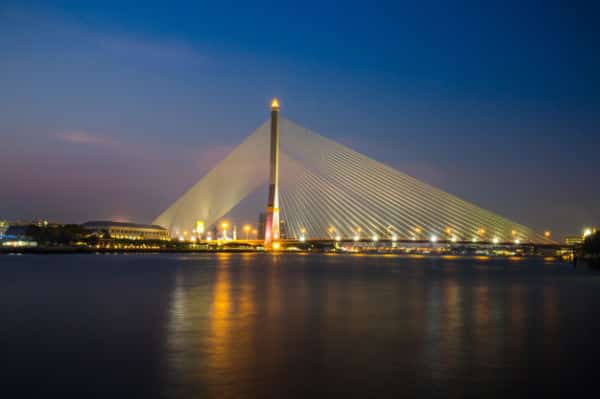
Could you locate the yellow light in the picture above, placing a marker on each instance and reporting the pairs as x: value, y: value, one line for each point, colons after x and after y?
x: 546, y: 234
x: 224, y: 225
x: 274, y: 104
x: 433, y: 238
x: 199, y: 226
x: 517, y: 241
x: 514, y: 232
x: 302, y: 230
x: 302, y: 238
x: 338, y: 238
x: 481, y: 232
x: 375, y: 238
x: 276, y: 245
x: 394, y: 237
x: 454, y: 239
x: 495, y: 240
x: 587, y: 232
x: 358, y: 229
x: 247, y: 228
x: 449, y: 230
x: 356, y: 238
x: 417, y: 230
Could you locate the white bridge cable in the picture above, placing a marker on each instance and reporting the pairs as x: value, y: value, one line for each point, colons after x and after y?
x: 463, y: 213
x: 325, y: 184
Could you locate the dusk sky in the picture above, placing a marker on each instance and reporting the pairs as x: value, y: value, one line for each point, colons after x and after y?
x: 111, y: 110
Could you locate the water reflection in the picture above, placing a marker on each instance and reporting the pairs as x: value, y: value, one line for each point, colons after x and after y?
x: 255, y: 325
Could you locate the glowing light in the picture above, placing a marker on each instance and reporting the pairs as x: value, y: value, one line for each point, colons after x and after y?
x: 514, y: 232
x: 356, y: 238
x: 474, y: 239
x: 275, y: 104
x: 338, y: 238
x: 417, y: 230
x: 433, y: 238
x: 481, y: 232
x: 303, y: 230
x: 495, y: 240
x: 247, y: 228
x: 547, y: 234
x: 302, y: 238
x: 517, y: 241
x: 224, y: 225
x: 276, y: 246
x: 375, y: 238
x: 454, y: 239
x: 587, y: 232
x: 181, y: 238
x: 448, y: 230
x: 394, y: 237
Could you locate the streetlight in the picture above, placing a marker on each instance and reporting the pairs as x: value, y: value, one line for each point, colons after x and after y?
x: 224, y: 226
x: 247, y: 230
x: 331, y: 230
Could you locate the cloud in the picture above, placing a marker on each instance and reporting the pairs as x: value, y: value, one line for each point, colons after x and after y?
x: 86, y: 138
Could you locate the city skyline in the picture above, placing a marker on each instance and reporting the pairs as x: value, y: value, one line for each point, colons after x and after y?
x: 103, y: 121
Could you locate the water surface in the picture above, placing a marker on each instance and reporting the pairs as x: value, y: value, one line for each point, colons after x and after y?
x: 274, y: 326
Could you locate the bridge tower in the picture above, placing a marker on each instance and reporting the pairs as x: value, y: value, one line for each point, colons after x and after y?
x: 272, y: 219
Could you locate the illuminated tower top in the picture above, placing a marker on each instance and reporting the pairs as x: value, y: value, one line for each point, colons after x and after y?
x: 275, y: 104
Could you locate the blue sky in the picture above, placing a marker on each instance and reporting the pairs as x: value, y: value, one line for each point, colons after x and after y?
x: 111, y: 109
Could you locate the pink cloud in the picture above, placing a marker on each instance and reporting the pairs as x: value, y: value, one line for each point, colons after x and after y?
x: 83, y: 137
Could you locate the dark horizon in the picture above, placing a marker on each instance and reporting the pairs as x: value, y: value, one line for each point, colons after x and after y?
x: 109, y: 111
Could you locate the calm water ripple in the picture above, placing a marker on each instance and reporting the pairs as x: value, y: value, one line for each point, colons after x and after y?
x: 274, y: 326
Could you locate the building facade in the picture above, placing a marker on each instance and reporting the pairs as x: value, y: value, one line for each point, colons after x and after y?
x: 128, y: 231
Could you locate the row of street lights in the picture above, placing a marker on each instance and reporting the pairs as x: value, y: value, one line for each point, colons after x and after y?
x: 333, y: 233
x: 414, y: 235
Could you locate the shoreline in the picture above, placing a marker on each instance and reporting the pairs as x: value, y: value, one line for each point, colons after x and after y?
x: 148, y: 251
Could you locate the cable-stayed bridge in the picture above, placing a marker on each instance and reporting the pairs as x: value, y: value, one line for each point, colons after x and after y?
x: 325, y: 190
